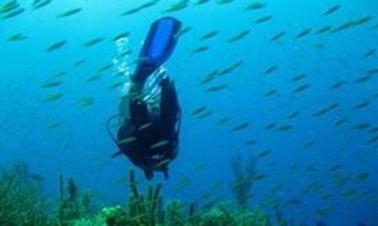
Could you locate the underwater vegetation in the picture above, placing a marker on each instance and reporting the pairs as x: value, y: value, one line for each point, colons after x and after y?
x: 244, y: 176
x: 150, y: 210
x: 22, y: 203
x: 293, y: 83
x: 73, y: 205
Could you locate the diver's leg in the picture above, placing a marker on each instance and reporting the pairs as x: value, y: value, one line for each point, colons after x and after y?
x: 169, y: 108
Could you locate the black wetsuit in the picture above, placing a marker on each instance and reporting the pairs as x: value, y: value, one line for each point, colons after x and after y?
x: 150, y: 139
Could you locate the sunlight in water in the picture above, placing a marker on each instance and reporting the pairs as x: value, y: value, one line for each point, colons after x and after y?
x: 122, y: 63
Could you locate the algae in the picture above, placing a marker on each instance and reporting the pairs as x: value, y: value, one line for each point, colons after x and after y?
x: 149, y: 210
x: 244, y: 177
x: 22, y: 204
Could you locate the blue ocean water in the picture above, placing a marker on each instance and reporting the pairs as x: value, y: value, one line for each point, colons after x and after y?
x: 65, y: 137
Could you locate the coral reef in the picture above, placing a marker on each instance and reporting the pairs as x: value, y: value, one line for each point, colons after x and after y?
x: 244, y: 175
x: 73, y: 206
x: 149, y: 210
x: 21, y: 202
x: 22, y: 205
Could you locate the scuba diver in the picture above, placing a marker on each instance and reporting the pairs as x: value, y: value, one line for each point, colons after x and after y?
x: 149, y: 130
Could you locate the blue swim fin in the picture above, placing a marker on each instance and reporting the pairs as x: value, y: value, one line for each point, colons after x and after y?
x: 158, y: 46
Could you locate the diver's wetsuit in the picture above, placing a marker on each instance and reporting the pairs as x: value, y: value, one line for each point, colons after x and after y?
x: 150, y: 139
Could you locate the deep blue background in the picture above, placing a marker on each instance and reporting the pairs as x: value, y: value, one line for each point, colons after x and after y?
x: 81, y: 148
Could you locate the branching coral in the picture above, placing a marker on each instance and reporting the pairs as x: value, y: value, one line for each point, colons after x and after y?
x: 20, y: 199
x: 74, y: 207
x: 148, y: 210
x: 244, y: 174
x: 141, y: 209
x: 21, y: 205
